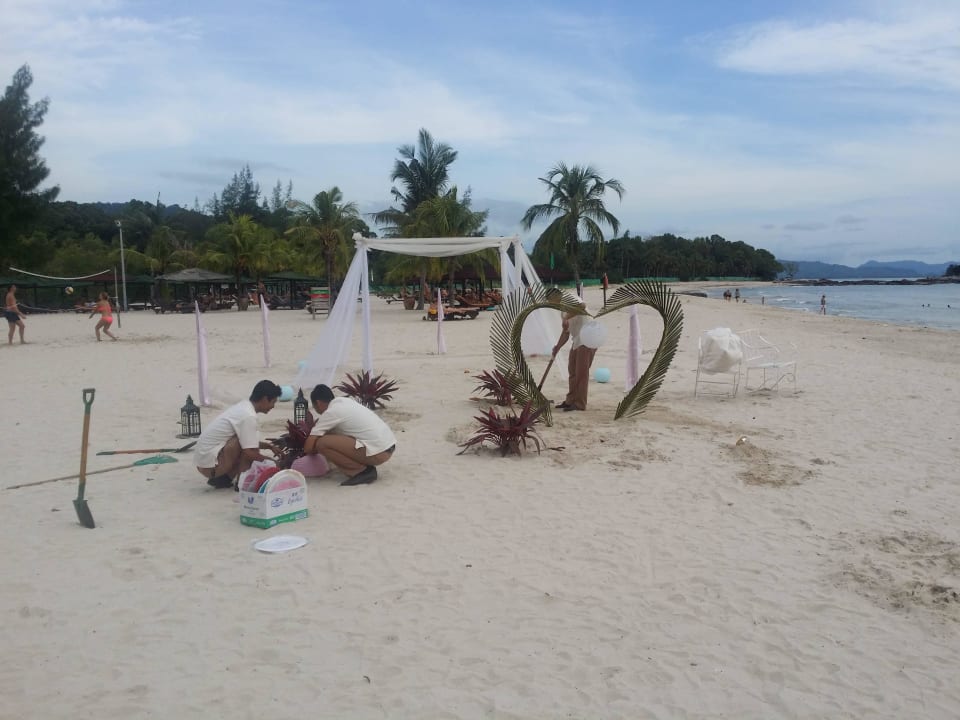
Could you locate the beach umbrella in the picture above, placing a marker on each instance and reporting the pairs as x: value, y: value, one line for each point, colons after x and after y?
x: 632, y: 374
x: 441, y: 345
x: 264, y: 317
x: 204, y: 393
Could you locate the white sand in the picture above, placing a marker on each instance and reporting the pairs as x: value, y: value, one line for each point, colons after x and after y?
x: 650, y: 569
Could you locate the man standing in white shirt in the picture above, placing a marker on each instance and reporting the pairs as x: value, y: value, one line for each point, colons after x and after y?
x: 581, y: 358
x: 350, y: 436
x: 231, y: 443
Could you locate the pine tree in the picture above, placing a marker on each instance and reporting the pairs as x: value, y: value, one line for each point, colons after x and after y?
x: 22, y: 170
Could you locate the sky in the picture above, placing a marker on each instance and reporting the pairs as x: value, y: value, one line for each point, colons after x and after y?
x: 818, y: 130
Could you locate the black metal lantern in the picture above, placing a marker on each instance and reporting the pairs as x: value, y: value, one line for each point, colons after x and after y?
x: 299, y: 408
x: 190, y: 419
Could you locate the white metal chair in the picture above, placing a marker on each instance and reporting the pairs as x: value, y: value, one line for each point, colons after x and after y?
x: 719, y: 363
x: 771, y: 365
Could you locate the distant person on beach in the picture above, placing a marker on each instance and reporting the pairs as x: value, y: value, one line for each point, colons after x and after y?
x: 231, y: 443
x: 106, y: 316
x: 350, y: 436
x: 736, y: 294
x: 11, y: 311
x: 823, y: 304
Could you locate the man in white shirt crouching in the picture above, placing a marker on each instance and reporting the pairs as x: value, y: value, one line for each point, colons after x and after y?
x: 231, y: 443
x: 350, y: 436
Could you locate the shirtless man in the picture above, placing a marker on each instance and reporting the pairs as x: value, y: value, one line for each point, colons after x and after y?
x: 14, y: 317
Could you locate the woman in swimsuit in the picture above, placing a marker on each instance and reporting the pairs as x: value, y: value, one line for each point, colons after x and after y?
x: 106, y: 316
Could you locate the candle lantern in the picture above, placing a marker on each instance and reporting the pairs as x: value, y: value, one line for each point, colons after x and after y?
x: 190, y: 419
x: 299, y: 408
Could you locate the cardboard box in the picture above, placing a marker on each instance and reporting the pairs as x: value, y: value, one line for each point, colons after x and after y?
x: 264, y: 510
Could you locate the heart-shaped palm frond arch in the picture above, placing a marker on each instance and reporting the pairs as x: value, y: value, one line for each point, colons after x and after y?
x: 507, y: 327
x: 505, y: 333
x: 664, y: 301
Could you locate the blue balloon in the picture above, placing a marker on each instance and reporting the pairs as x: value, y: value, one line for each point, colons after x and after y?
x: 601, y: 375
x: 286, y: 393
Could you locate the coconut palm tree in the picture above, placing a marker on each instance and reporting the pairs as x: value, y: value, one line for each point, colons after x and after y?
x: 423, y: 173
x: 325, y: 227
x: 238, y: 246
x: 449, y: 216
x: 576, y: 204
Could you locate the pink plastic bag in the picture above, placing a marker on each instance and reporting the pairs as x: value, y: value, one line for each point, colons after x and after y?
x: 311, y: 465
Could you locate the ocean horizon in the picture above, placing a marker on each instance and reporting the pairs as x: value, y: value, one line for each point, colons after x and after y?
x: 917, y: 305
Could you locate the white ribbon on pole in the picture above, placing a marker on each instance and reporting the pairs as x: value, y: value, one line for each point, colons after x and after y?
x: 632, y: 375
x: 264, y: 313
x: 204, y: 393
x: 441, y: 344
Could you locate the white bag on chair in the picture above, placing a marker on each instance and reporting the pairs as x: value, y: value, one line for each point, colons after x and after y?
x: 721, y: 350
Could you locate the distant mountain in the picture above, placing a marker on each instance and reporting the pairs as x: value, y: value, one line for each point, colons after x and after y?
x: 870, y: 269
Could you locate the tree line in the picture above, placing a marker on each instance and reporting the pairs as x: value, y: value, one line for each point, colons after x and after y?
x: 248, y: 233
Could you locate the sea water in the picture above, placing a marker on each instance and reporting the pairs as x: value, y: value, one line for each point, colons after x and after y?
x: 935, y: 306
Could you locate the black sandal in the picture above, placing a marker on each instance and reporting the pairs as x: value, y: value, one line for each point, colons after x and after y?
x: 221, y: 482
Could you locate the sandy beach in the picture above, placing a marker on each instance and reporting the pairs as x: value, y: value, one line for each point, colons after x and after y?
x: 642, y: 568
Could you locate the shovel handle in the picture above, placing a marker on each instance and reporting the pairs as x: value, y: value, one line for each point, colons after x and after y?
x: 88, y: 394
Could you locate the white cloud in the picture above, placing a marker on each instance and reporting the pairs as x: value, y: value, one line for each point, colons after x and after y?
x: 919, y: 49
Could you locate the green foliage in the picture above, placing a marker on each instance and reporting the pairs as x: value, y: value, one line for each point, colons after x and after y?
x: 661, y: 299
x: 324, y: 230
x: 22, y: 170
x: 509, y: 433
x: 241, y: 196
x: 669, y: 256
x: 576, y: 204
x: 953, y: 271
x: 372, y: 392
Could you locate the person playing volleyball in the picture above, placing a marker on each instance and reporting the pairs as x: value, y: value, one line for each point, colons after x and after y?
x: 106, y: 316
x: 12, y: 312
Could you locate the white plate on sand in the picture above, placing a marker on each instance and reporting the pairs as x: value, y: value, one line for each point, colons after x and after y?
x: 280, y: 543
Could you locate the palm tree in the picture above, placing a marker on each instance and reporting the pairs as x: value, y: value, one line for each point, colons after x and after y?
x: 325, y: 227
x: 238, y: 247
x: 448, y: 216
x: 422, y: 173
x: 576, y: 201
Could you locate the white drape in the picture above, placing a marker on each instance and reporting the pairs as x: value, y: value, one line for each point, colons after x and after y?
x: 204, y: 385
x: 265, y: 322
x: 333, y: 346
x: 441, y: 343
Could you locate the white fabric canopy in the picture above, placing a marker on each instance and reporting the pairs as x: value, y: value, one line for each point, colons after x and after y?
x: 333, y: 346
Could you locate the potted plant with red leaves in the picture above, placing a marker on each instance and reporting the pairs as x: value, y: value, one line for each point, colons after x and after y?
x: 497, y: 385
x: 371, y: 392
x: 290, y: 445
x: 509, y: 433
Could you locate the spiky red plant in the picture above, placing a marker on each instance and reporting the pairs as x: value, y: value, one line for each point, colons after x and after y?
x: 509, y: 433
x: 290, y: 445
x: 497, y: 385
x: 372, y: 392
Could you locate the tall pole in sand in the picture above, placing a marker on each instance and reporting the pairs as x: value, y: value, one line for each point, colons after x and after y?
x: 123, y: 266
